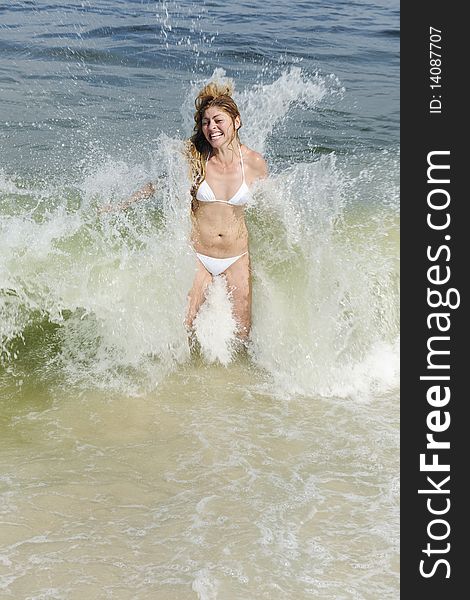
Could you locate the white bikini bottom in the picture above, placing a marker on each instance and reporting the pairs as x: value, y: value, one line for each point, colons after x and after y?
x: 216, y: 266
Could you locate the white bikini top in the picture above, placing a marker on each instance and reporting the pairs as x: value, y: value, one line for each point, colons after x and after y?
x: 241, y: 196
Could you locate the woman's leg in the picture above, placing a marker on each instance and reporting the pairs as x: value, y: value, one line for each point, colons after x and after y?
x: 197, y: 293
x: 239, y: 284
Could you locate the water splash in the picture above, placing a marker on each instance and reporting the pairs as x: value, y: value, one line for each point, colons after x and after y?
x: 215, y: 326
x: 109, y: 292
x: 264, y: 106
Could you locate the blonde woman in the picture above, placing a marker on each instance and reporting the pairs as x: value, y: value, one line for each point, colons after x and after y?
x: 222, y: 171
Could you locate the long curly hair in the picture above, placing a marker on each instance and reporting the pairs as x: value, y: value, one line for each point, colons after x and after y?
x: 198, y: 148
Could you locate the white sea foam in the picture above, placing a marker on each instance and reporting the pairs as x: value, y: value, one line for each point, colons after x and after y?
x: 205, y: 585
x: 215, y: 325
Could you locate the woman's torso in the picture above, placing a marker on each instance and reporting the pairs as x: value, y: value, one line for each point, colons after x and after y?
x: 219, y: 227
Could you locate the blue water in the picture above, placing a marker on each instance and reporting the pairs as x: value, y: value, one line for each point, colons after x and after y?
x: 114, y: 74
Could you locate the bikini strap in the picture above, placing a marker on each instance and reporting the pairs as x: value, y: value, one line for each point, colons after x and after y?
x: 241, y: 161
x: 207, y: 159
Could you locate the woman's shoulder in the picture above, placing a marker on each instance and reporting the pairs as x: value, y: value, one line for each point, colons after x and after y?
x: 255, y: 162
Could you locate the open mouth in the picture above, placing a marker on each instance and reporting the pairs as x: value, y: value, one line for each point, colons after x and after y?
x: 215, y: 136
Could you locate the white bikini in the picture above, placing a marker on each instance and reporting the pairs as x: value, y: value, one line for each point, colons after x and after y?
x: 216, y: 266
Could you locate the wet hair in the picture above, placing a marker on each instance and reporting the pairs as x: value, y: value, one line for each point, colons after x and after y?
x: 213, y: 94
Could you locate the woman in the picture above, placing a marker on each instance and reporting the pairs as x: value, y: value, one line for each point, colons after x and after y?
x: 222, y: 171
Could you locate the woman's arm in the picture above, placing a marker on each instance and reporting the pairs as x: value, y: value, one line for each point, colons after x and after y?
x: 258, y: 165
x: 144, y: 193
x: 261, y: 168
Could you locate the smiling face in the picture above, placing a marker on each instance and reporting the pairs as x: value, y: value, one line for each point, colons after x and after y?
x: 218, y: 127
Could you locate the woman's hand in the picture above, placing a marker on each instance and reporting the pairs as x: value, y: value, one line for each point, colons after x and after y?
x: 107, y: 208
x: 143, y: 194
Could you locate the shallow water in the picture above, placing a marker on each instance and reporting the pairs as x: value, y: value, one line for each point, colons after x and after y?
x: 130, y: 467
x: 209, y: 487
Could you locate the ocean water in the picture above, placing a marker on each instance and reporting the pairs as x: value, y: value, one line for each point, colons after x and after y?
x: 130, y: 467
